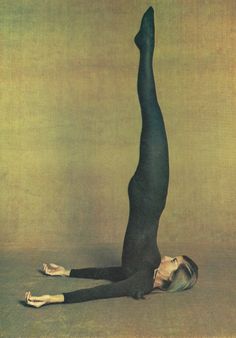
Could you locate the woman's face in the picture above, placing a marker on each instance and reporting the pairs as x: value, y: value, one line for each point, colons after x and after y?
x: 169, y: 264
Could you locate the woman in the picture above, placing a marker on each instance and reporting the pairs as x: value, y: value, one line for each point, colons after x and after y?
x: 142, y: 268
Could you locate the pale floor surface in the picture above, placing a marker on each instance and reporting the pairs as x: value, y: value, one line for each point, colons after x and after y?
x: 208, y: 310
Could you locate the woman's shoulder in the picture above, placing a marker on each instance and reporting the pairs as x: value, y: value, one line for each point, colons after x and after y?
x: 145, y: 275
x: 141, y: 282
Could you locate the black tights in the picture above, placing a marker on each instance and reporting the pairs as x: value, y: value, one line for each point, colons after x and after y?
x: 148, y: 186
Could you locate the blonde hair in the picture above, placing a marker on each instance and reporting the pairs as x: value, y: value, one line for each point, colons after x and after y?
x: 183, y: 278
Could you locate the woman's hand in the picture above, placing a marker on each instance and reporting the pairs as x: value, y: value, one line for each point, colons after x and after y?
x: 55, y: 270
x: 36, y: 301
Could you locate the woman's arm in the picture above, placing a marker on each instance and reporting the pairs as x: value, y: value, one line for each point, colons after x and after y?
x: 136, y: 286
x: 113, y: 274
x: 120, y: 289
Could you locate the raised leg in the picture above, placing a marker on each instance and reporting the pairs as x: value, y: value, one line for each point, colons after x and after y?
x: 148, y: 187
x: 152, y: 173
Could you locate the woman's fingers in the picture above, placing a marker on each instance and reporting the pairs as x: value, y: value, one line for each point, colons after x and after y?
x: 50, y: 269
x: 37, y: 299
x: 47, y: 270
x: 44, y: 268
x: 27, y: 295
x: 34, y: 300
x: 54, y: 265
x: 35, y: 304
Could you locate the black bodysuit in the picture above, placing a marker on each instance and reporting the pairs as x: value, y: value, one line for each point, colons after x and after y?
x: 147, y: 193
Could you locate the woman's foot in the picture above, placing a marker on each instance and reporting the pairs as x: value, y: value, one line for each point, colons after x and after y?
x: 146, y: 35
x: 36, y: 301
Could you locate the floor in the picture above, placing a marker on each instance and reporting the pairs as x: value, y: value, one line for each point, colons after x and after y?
x: 208, y: 310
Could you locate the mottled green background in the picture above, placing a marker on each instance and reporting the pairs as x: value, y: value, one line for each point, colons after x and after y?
x: 70, y: 119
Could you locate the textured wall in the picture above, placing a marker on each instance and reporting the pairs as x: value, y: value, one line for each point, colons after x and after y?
x: 70, y: 118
